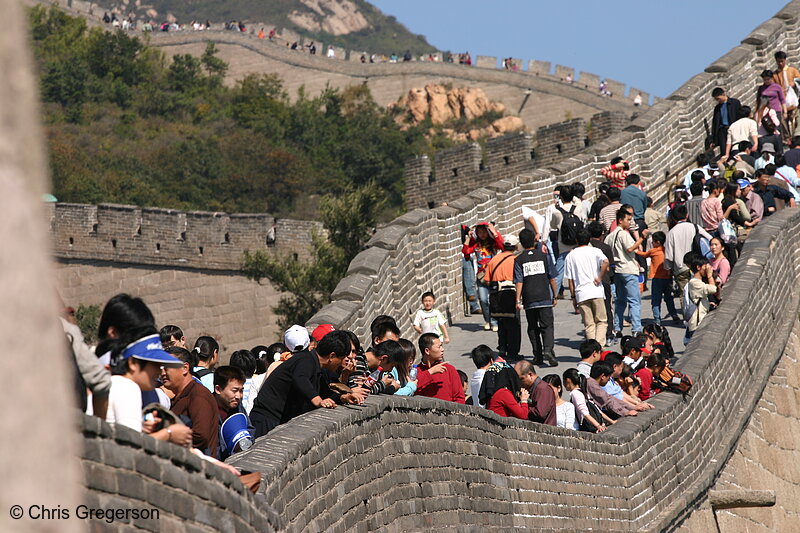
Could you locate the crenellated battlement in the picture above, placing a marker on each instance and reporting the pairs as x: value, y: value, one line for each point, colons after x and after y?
x: 167, y: 237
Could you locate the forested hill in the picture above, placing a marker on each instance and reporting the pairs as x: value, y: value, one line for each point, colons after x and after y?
x: 352, y: 24
x: 127, y: 125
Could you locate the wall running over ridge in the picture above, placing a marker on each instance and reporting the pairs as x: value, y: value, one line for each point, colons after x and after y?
x: 546, y: 98
x: 400, y: 464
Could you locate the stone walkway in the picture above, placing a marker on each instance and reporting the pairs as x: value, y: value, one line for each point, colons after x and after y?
x: 469, y: 332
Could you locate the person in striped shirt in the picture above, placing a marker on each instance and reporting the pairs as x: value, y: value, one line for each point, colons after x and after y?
x: 617, y: 171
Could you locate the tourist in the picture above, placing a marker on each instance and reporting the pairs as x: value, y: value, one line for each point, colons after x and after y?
x: 585, y: 268
x: 404, y: 372
x: 661, y: 278
x: 246, y: 363
x: 437, y: 379
x: 565, y: 411
x: 743, y: 129
x: 484, y: 242
x: 616, y: 172
x: 482, y: 357
x: 541, y: 401
x: 626, y: 273
x: 297, y: 386
x: 194, y: 404
x: 611, y: 406
x: 577, y: 397
x: 206, y: 350
x: 679, y: 242
x: 726, y: 112
x: 172, y: 336
x: 701, y: 286
x: 500, y: 276
x: 229, y: 385
x: 502, y: 391
x: 430, y: 320
x: 535, y: 284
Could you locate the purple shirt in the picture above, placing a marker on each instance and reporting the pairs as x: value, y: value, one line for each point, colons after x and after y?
x: 775, y: 94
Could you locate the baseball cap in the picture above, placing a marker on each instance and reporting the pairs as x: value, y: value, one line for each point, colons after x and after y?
x: 511, y: 240
x: 321, y: 330
x: 634, y: 343
x: 149, y: 349
x: 743, y: 184
x: 296, y: 338
x: 768, y: 147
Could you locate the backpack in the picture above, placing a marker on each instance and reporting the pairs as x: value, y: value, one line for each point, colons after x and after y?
x: 700, y: 244
x: 673, y: 381
x: 570, y: 226
x: 595, y: 413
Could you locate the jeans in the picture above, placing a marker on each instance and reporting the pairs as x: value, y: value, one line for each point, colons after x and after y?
x: 560, y: 271
x: 483, y: 297
x: 541, y: 330
x: 662, y: 288
x: 509, y: 337
x: 608, y: 289
x: 468, y: 278
x: 627, y: 287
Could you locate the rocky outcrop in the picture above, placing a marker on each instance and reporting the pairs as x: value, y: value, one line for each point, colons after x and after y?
x: 337, y: 17
x: 444, y: 105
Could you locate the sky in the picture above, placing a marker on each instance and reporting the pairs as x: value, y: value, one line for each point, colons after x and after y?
x: 653, y: 45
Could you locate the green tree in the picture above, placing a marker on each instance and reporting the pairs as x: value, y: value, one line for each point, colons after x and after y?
x: 307, y: 285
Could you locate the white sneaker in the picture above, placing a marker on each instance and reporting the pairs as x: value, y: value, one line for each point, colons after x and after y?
x: 494, y: 328
x: 487, y: 326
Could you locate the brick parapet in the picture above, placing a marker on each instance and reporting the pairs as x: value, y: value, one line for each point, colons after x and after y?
x: 124, y: 469
x: 125, y: 234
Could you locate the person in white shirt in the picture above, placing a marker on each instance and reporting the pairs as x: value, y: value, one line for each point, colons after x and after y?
x: 482, y: 356
x: 584, y: 269
x: 430, y: 320
x: 744, y: 129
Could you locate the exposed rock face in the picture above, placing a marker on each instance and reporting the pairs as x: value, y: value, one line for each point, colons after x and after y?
x: 337, y: 17
x: 443, y: 105
x: 507, y: 124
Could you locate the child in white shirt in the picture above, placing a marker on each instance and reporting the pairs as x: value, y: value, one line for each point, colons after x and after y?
x: 430, y: 320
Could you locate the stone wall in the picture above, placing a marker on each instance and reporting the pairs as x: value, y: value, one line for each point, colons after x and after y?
x: 465, y: 168
x: 400, y: 464
x: 123, y: 469
x: 223, y: 304
x: 389, y: 276
x: 166, y: 237
x: 767, y: 457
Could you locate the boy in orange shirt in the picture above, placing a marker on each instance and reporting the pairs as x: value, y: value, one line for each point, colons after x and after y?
x: 661, y: 278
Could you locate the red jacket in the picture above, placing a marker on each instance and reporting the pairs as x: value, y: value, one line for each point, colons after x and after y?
x: 504, y: 403
x: 483, y: 255
x: 445, y: 386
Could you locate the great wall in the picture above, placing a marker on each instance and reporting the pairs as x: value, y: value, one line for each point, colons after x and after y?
x: 453, y: 467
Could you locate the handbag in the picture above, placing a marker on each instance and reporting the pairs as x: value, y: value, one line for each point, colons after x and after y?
x: 502, y: 295
x: 727, y: 232
x: 503, y: 300
x: 791, y: 95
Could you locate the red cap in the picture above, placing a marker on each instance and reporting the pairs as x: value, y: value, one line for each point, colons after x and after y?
x: 321, y: 330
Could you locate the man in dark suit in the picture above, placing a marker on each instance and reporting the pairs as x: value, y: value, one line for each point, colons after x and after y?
x: 726, y: 112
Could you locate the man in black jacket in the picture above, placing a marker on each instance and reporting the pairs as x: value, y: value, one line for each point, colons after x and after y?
x: 298, y: 385
x: 726, y: 112
x: 535, y: 281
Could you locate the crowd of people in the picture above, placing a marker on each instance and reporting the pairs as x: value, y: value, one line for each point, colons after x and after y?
x: 604, y: 253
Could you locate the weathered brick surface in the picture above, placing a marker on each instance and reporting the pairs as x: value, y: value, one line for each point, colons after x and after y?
x: 189, y: 494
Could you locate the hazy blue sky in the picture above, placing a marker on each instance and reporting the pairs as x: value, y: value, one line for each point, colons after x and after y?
x: 650, y: 44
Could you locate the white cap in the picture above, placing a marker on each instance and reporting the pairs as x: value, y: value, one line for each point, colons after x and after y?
x: 511, y: 240
x: 296, y: 338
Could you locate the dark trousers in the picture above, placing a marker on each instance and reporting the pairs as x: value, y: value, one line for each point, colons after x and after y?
x: 540, y: 330
x: 509, y: 336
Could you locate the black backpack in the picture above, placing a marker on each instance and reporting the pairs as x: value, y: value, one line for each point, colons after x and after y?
x: 699, y: 243
x: 570, y: 226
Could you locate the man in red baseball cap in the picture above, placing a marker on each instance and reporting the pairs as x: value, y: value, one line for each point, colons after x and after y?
x: 319, y: 332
